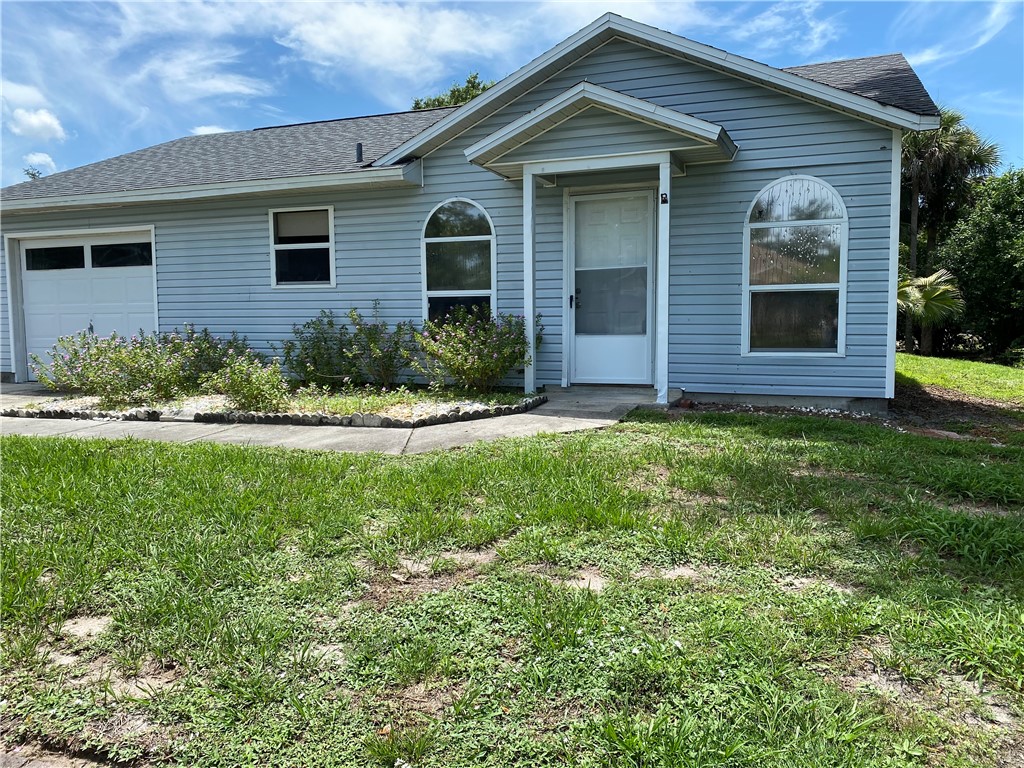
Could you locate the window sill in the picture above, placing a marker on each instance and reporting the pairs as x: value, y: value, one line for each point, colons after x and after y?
x: 302, y: 286
x: 798, y: 355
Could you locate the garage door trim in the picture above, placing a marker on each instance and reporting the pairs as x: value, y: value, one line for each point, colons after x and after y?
x: 14, y: 261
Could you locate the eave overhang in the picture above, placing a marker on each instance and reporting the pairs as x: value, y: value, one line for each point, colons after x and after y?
x: 406, y: 175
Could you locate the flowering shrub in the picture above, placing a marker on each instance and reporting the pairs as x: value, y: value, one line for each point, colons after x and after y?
x: 326, y: 352
x: 380, y: 353
x: 319, y: 352
x: 136, y: 370
x: 249, y: 383
x: 472, y: 348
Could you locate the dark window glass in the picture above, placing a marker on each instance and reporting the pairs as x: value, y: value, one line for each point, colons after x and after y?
x: 303, y: 265
x: 439, y: 306
x: 299, y: 227
x: 611, y: 302
x: 457, y: 219
x: 122, y: 255
x: 64, y: 257
x: 459, y: 266
x: 794, y: 321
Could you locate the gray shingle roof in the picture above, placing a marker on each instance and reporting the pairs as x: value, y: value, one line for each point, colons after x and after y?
x: 304, y: 149
x: 886, y: 79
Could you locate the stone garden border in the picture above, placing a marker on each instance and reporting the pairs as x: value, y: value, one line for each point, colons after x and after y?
x: 457, y: 414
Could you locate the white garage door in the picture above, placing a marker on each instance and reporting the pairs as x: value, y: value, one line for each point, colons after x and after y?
x: 103, y: 282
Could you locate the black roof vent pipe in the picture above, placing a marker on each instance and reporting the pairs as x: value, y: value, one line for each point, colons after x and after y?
x: 359, y: 152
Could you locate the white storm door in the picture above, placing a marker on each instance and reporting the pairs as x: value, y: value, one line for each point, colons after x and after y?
x: 611, y: 278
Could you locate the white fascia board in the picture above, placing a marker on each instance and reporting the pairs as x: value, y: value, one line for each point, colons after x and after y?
x: 584, y: 95
x: 611, y: 25
x: 392, y: 175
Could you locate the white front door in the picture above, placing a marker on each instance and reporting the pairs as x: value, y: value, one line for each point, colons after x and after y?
x: 611, y: 277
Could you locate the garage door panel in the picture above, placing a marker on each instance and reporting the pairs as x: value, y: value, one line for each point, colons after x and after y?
x: 66, y: 301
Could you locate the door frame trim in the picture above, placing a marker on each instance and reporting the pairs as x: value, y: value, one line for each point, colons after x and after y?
x: 569, y: 266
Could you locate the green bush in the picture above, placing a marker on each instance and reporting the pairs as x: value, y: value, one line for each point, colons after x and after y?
x: 327, y: 352
x: 249, y: 383
x: 137, y: 370
x: 473, y: 349
x: 319, y: 352
x: 379, y: 352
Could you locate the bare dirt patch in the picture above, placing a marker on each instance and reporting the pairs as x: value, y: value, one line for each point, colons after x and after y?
x: 86, y: 627
x: 38, y: 757
x: 427, y: 699
x: 963, y: 703
x: 587, y: 578
x: 797, y: 584
x: 678, y: 571
x: 101, y: 671
x: 332, y: 654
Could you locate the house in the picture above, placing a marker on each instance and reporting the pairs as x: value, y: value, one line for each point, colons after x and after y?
x: 678, y: 215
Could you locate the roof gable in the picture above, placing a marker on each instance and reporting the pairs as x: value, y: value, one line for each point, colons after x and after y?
x: 610, y: 27
x: 529, y: 137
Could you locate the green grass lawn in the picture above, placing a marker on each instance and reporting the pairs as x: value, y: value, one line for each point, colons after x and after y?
x: 722, y: 590
x: 993, y: 382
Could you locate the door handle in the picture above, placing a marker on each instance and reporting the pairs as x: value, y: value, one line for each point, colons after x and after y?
x: 570, y: 301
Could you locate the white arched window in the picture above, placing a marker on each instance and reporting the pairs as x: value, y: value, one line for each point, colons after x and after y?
x: 458, y: 258
x: 794, y: 270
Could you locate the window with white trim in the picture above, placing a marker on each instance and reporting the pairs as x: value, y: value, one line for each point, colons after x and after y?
x: 302, y: 246
x: 458, y: 258
x: 795, y: 262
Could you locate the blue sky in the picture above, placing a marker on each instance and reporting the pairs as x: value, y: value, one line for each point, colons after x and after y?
x: 86, y: 81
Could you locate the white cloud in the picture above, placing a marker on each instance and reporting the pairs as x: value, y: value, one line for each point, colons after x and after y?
x: 788, y: 26
x: 197, y: 73
x: 21, y: 95
x: 389, y: 49
x: 206, y: 130
x: 41, y: 160
x: 39, y: 124
x: 970, y: 35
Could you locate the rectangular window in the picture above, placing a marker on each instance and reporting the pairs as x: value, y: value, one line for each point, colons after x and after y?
x: 122, y: 255
x: 439, y: 306
x: 59, y: 257
x: 303, y: 247
x: 794, y: 321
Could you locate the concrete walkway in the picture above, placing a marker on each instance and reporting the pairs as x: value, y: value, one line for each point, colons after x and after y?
x: 568, y: 411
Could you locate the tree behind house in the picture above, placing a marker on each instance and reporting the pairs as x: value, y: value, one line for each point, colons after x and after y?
x: 456, y: 95
x: 938, y: 172
x: 986, y: 252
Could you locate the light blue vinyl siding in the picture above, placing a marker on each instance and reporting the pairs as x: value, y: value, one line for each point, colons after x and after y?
x: 596, y: 131
x: 777, y: 135
x: 213, y: 261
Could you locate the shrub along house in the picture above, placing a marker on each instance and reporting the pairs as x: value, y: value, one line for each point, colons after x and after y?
x: 679, y: 216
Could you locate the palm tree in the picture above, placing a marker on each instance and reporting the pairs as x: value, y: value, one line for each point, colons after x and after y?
x: 932, y: 301
x: 937, y: 172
